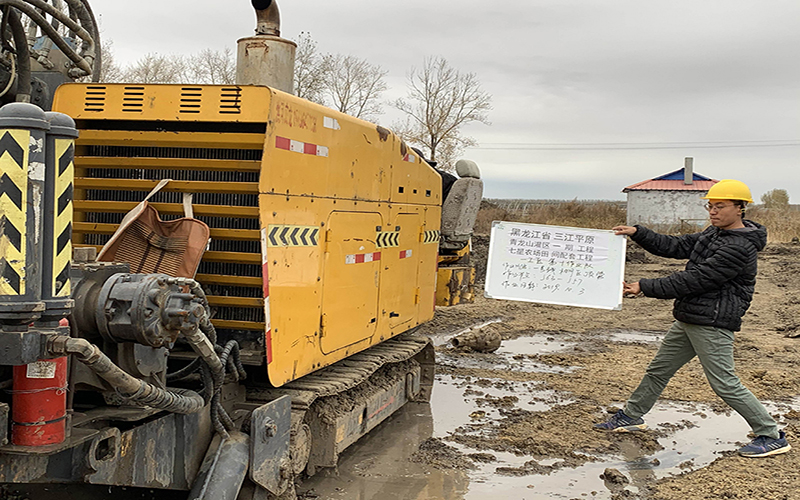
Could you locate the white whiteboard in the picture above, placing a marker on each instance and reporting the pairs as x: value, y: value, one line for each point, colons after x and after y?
x: 555, y: 265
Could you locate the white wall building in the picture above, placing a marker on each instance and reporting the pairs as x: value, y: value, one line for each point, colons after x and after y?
x: 671, y: 199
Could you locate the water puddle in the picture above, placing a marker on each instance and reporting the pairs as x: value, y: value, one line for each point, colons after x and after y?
x: 514, y: 355
x: 535, y: 344
x: 631, y: 337
x: 457, y: 402
x: 380, y: 466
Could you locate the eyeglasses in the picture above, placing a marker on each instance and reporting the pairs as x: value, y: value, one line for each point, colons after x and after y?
x: 717, y: 207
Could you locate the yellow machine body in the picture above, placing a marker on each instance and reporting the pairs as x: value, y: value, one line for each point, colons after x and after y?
x: 455, y: 283
x: 324, y: 228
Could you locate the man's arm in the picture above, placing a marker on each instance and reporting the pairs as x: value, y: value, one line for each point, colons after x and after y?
x: 721, y: 267
x: 673, y: 247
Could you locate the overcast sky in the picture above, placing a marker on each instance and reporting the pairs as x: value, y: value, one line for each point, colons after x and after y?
x: 589, y: 96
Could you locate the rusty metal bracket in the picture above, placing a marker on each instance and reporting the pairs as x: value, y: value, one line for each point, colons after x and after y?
x: 270, y: 430
x: 103, y: 455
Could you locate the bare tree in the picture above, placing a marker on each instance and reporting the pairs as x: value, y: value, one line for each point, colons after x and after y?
x: 110, y: 71
x: 440, y: 101
x: 309, y: 71
x: 354, y: 86
x: 215, y: 67
x: 157, y: 68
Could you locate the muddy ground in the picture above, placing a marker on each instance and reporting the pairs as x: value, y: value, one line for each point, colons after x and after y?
x: 517, y: 423
x: 583, y: 363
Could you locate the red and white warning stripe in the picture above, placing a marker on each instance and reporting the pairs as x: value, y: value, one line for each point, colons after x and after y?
x: 410, y: 158
x: 404, y: 254
x: 360, y: 258
x: 300, y: 147
x: 265, y: 279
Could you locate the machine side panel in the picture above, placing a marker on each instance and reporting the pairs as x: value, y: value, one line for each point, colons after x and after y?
x: 351, y: 280
x: 364, y: 280
x: 338, y: 295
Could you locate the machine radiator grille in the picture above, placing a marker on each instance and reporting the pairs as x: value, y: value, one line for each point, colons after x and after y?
x: 112, y: 178
x: 197, y: 153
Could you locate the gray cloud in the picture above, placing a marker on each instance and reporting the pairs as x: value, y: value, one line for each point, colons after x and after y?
x: 560, y: 71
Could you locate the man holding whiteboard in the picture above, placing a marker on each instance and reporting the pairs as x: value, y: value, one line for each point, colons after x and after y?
x: 711, y: 296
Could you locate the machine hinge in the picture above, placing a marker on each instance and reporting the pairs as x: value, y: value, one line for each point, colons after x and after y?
x: 416, y: 296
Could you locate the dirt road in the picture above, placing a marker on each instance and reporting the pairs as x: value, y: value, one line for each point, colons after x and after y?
x: 516, y: 423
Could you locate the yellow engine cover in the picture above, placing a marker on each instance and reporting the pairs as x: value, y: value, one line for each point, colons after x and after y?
x: 326, y: 223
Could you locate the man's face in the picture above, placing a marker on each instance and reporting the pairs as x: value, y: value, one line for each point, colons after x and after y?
x: 723, y: 213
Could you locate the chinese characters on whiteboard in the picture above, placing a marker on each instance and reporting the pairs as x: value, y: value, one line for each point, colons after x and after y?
x: 554, y: 264
x: 553, y: 260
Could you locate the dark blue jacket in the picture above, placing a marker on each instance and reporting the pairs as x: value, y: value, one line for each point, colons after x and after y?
x: 716, y: 287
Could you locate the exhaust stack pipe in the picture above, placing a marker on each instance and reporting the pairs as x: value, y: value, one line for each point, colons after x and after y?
x: 266, y: 58
x: 268, y: 17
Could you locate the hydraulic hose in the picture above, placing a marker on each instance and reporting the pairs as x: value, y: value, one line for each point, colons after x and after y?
x: 214, y: 368
x: 23, y: 56
x: 205, y: 349
x: 98, y: 60
x: 213, y: 359
x: 87, y: 20
x: 173, y: 400
x: 186, y: 316
x: 29, y: 7
x: 231, y: 359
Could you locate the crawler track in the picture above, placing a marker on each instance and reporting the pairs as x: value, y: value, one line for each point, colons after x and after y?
x: 354, y: 370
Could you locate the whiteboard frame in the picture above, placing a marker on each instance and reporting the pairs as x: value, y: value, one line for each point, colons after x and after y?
x: 622, y: 241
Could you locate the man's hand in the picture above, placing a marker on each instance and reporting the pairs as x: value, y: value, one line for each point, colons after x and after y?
x: 631, y: 288
x: 625, y: 230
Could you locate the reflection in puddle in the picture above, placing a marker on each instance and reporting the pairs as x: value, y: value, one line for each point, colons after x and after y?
x: 536, y: 344
x: 379, y: 466
x: 500, y: 361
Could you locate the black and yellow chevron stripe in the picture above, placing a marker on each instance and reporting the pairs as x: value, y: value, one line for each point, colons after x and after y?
x: 13, y: 203
x: 62, y: 228
x: 279, y: 235
x: 430, y: 237
x: 388, y: 239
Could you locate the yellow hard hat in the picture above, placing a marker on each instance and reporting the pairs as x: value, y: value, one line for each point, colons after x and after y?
x: 729, y: 189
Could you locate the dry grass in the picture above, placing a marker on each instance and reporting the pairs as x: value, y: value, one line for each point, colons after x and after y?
x: 782, y: 225
x: 569, y: 213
